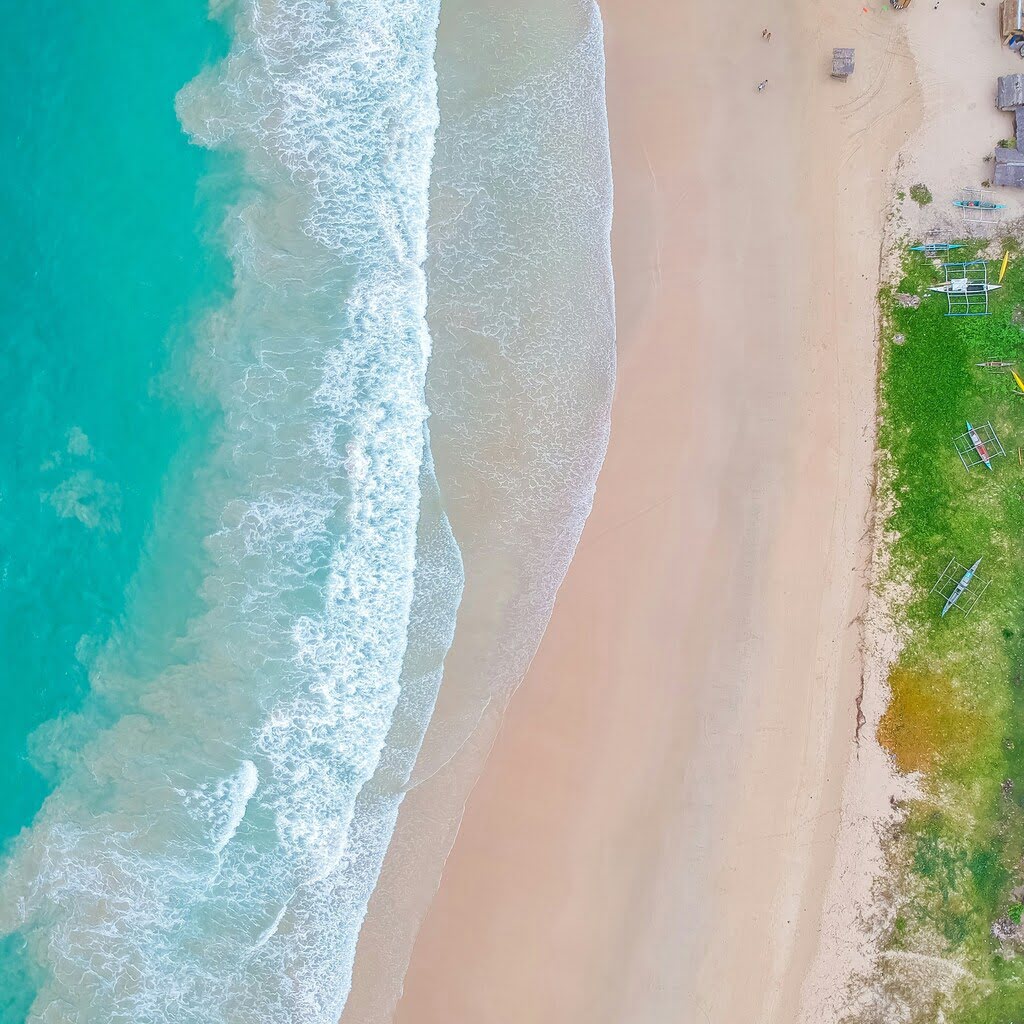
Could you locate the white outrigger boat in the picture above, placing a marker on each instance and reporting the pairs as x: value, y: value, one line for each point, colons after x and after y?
x: 964, y: 286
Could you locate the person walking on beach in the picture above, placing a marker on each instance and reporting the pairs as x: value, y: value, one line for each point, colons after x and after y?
x: 761, y: 87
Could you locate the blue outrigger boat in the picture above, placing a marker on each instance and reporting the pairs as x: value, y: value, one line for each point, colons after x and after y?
x: 978, y: 204
x: 961, y: 587
x: 935, y: 247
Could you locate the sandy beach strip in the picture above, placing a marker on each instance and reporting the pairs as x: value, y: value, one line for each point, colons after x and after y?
x: 652, y: 836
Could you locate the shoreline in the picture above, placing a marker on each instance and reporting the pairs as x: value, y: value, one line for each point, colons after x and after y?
x: 622, y: 847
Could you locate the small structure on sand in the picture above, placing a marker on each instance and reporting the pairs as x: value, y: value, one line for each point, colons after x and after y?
x: 1009, y: 167
x: 978, y: 446
x: 966, y: 288
x: 960, y: 587
x: 1010, y: 98
x: 1011, y: 23
x: 898, y: 5
x: 842, y: 62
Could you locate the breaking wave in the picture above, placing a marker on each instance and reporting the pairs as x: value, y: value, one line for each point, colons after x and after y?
x: 216, y: 831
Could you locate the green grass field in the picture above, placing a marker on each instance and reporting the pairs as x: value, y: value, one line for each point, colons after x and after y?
x: 957, y: 710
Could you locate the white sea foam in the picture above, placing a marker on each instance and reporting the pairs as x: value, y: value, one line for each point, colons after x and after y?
x: 208, y: 852
x: 519, y: 386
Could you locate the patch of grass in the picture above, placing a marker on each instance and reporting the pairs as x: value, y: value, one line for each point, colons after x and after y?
x: 931, y: 724
x: 1008, y: 143
x: 921, y: 194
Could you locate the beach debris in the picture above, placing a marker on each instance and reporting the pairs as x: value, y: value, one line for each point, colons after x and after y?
x: 1007, y: 787
x: 899, y: 5
x: 842, y: 62
x: 899, y: 339
x: 908, y: 301
x: 954, y: 587
x: 966, y: 288
x: 978, y: 446
x: 1006, y: 931
x: 762, y: 86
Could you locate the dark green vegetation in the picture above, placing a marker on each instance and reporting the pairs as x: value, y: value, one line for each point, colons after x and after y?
x: 921, y: 194
x: 957, y: 714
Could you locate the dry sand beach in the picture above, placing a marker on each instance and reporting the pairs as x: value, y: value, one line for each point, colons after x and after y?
x: 655, y: 830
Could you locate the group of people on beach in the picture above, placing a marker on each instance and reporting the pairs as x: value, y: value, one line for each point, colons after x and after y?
x: 767, y: 37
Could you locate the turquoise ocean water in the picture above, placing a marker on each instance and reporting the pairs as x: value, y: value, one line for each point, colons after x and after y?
x: 229, y: 581
x: 104, y: 260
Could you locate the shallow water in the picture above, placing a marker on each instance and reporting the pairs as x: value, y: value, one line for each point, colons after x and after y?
x: 229, y: 570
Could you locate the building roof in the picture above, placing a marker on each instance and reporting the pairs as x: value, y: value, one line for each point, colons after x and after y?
x: 1010, y: 92
x: 1011, y: 18
x: 842, y: 60
x: 1009, y: 167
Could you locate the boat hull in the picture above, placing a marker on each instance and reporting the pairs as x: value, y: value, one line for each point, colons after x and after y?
x: 961, y: 587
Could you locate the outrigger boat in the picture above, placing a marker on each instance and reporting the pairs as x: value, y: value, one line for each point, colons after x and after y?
x: 979, y: 447
x: 978, y: 204
x: 935, y: 247
x: 994, y: 364
x: 961, y: 587
x: 964, y: 286
x: 1020, y: 383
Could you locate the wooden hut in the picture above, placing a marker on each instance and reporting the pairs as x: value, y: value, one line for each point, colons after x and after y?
x: 1011, y: 21
x: 842, y: 62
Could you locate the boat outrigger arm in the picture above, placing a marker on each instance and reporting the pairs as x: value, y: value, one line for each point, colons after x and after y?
x: 961, y: 587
